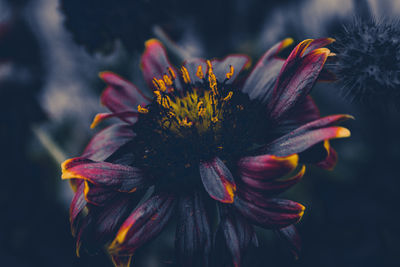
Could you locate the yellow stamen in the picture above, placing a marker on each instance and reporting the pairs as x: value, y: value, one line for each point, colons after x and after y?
x: 229, y: 96
x: 156, y: 84
x: 162, y: 85
x: 158, y: 95
x: 166, y: 102
x: 212, y: 79
x: 186, y: 123
x: 172, y: 73
x: 230, y: 73
x: 142, y: 109
x: 167, y: 80
x: 200, y: 108
x: 214, y: 119
x: 185, y: 75
x: 199, y: 72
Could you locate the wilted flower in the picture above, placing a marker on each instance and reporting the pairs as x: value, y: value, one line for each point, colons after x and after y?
x: 209, y: 139
x: 368, y: 64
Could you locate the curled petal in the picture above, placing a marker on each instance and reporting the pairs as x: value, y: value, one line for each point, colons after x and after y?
x: 155, y: 63
x: 317, y: 43
x: 77, y: 205
x: 269, y: 187
x: 330, y: 161
x: 119, y: 177
x: 296, y: 78
x: 272, y: 213
x: 193, y: 235
x: 308, y: 135
x: 143, y: 224
x: 107, y: 141
x: 218, y: 180
x: 266, y: 167
x: 262, y: 79
x: 291, y: 237
x: 120, y: 94
x: 98, y: 195
x: 222, y: 67
x: 126, y: 116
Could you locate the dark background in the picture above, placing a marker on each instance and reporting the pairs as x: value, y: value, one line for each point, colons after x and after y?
x: 50, y: 54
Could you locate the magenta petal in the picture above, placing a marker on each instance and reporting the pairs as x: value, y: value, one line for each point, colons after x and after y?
x: 155, y: 63
x: 272, y: 213
x: 129, y: 117
x: 113, y: 176
x: 192, y: 66
x: 330, y: 161
x: 222, y: 67
x: 262, y: 79
x: 77, y: 205
x: 308, y: 135
x: 193, y: 235
x: 120, y: 94
x: 317, y: 43
x: 144, y: 223
x: 107, y: 141
x: 218, y: 180
x: 98, y: 195
x: 296, y: 79
x: 291, y: 237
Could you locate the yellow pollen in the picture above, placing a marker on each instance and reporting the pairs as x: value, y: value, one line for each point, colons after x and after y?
x: 167, y: 80
x: 199, y: 72
x: 158, y: 95
x: 161, y: 83
x: 186, y: 123
x: 200, y: 108
x: 211, y: 78
x: 172, y: 73
x: 230, y: 73
x: 229, y: 96
x: 166, y: 102
x: 142, y: 109
x: 156, y: 84
x: 214, y: 119
x: 185, y: 75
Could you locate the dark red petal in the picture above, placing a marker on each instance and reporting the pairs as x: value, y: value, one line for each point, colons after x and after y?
x: 218, y: 180
x: 269, y: 187
x: 235, y: 234
x: 98, y: 195
x: 107, y: 141
x: 317, y: 43
x: 77, y: 205
x: 155, y: 63
x: 193, y: 235
x: 129, y: 117
x: 308, y: 135
x: 120, y: 94
x: 272, y: 213
x: 262, y: 79
x: 296, y: 79
x: 266, y: 167
x: 119, y: 177
x: 222, y: 67
x: 330, y: 161
x: 144, y: 223
x: 290, y: 235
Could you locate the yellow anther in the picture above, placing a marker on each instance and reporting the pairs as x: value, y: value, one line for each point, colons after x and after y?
x: 185, y: 75
x: 211, y: 78
x: 162, y: 85
x: 209, y: 66
x: 186, y: 123
x: 200, y: 109
x: 214, y: 119
x: 167, y: 80
x: 166, y: 102
x: 156, y: 84
x: 158, y: 95
x: 230, y: 73
x: 142, y: 109
x: 172, y: 73
x: 229, y: 96
x: 171, y: 114
x: 199, y: 72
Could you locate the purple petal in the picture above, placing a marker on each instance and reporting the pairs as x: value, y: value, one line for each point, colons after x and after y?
x: 291, y: 237
x: 222, y: 67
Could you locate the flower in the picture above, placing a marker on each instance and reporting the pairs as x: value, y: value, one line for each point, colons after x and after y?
x: 368, y: 64
x: 210, y: 138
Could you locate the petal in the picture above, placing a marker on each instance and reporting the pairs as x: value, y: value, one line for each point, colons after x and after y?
x: 192, y: 66
x: 267, y: 167
x: 262, y: 79
x: 193, y: 235
x: 107, y: 141
x: 127, y: 116
x: 291, y: 237
x: 118, y: 177
x: 296, y: 79
x: 155, y: 63
x: 274, y: 213
x: 121, y: 261
x: 120, y: 94
x: 143, y: 224
x: 77, y: 205
x: 330, y: 161
x: 236, y: 235
x: 267, y: 187
x: 218, y: 180
x: 317, y: 43
x: 308, y: 135
x: 222, y: 67
x: 98, y: 195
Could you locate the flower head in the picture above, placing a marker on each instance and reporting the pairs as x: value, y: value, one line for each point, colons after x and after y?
x: 209, y: 138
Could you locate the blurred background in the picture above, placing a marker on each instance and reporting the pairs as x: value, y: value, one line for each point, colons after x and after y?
x: 52, y: 50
